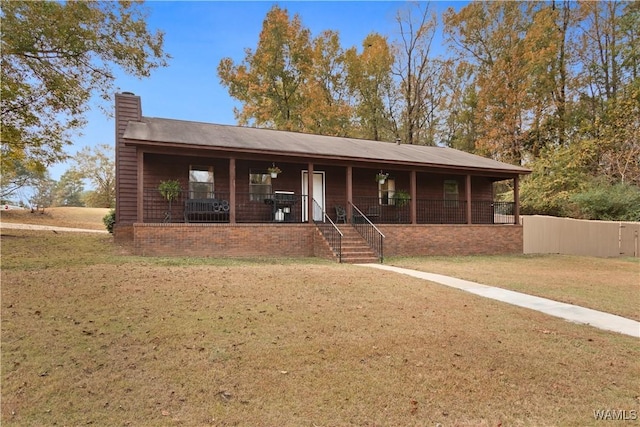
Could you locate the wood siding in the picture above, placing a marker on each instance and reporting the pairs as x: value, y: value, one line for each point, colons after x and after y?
x: 127, y: 108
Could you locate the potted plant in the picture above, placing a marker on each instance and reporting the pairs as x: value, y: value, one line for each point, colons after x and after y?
x: 274, y: 171
x: 381, y: 177
x: 401, y: 198
x: 169, y: 190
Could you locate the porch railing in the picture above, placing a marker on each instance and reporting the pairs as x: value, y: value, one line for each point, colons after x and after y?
x: 370, y: 233
x: 330, y: 231
x: 503, y: 212
x: 281, y: 207
x: 290, y: 208
x: 284, y: 207
x: 157, y: 209
x: 430, y: 211
x: 382, y: 211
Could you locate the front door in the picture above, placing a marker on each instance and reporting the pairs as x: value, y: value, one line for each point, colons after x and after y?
x: 318, y: 195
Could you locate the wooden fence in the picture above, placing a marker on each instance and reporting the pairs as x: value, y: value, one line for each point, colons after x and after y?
x: 551, y: 235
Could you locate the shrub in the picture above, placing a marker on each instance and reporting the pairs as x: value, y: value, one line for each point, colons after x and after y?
x: 109, y: 220
x: 617, y: 202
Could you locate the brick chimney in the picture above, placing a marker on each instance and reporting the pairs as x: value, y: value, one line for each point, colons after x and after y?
x: 128, y: 108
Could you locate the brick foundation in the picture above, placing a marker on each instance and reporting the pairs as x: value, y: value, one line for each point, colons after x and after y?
x: 123, y: 233
x: 224, y: 240
x: 303, y: 240
x: 425, y: 240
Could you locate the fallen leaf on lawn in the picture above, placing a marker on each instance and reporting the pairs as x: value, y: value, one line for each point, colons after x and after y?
x: 225, y: 395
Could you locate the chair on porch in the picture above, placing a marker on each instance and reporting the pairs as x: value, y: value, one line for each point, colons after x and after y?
x: 373, y: 212
x: 341, y: 214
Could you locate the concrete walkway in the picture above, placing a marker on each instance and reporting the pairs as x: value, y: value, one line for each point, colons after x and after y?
x: 572, y: 313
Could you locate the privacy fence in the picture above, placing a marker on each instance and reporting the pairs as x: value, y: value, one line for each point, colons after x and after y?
x: 551, y: 235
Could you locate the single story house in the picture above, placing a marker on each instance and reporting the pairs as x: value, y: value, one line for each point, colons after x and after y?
x: 248, y: 192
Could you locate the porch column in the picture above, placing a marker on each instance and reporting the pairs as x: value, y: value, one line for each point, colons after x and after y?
x: 140, y: 179
x: 516, y: 200
x: 349, y: 192
x: 232, y: 190
x: 467, y: 190
x: 310, y: 193
x: 413, y: 203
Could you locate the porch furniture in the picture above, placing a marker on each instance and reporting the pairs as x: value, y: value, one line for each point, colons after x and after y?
x: 206, y: 210
x: 341, y: 214
x: 282, y: 203
x: 373, y: 212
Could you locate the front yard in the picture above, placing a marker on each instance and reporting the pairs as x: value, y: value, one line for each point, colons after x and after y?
x: 93, y: 336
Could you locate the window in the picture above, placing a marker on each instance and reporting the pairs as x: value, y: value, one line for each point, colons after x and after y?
x: 386, y: 192
x: 259, y: 185
x: 201, y: 182
x: 451, y: 193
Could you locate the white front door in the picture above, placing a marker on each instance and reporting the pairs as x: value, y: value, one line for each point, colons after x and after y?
x: 318, y: 195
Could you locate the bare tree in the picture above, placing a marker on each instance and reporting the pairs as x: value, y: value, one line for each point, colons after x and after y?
x: 418, y: 75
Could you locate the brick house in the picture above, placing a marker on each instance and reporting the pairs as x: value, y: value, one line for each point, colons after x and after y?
x: 432, y: 200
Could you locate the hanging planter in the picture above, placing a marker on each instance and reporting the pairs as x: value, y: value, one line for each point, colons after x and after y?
x: 274, y: 171
x: 382, y: 177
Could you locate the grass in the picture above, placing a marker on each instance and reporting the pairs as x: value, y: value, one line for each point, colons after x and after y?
x: 89, y: 218
x: 610, y: 285
x: 93, y: 336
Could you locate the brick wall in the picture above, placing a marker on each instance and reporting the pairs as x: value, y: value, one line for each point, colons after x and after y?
x: 123, y: 233
x: 321, y: 248
x: 303, y: 240
x: 419, y: 240
x: 224, y: 240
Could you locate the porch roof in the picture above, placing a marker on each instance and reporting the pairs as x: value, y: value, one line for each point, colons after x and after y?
x: 198, y: 135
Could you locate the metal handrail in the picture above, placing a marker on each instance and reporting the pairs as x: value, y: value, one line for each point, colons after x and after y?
x: 329, y: 232
x: 374, y: 240
x: 368, y: 220
x: 333, y: 224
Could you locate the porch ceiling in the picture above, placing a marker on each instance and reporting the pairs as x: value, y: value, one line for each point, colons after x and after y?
x: 180, y: 133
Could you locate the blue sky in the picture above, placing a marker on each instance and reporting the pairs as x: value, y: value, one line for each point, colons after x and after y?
x: 198, y: 34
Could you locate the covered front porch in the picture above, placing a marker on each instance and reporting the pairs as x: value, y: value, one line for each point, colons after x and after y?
x: 242, y: 191
x: 232, y: 206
